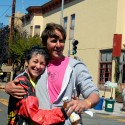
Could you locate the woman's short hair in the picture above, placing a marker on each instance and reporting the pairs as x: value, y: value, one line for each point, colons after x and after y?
x: 49, y: 31
x: 37, y: 50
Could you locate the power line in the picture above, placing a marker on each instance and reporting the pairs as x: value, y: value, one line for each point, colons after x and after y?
x: 5, y: 5
x: 5, y: 10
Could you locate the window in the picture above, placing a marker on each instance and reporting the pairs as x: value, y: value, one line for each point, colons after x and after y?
x: 31, y: 30
x: 72, y: 26
x: 105, y: 72
x: 105, y: 67
x: 121, y: 68
x: 123, y: 73
x: 37, y: 30
x: 65, y: 23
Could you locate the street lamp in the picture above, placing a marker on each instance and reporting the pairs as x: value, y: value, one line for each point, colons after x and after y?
x: 61, y: 16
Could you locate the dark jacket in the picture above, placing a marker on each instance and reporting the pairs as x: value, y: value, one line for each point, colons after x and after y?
x: 26, y: 110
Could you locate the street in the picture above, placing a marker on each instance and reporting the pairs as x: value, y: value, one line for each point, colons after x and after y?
x: 97, y: 119
x: 102, y: 119
x: 3, y: 107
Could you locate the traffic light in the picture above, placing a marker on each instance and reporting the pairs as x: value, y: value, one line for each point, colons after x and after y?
x: 74, y: 48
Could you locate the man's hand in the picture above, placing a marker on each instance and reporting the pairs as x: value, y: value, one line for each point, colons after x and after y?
x: 14, y: 90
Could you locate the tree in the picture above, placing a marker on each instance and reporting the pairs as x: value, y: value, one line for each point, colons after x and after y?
x: 4, y: 35
x: 22, y: 43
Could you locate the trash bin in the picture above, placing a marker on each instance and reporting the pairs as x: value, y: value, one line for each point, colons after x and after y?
x: 99, y: 106
x: 109, y: 105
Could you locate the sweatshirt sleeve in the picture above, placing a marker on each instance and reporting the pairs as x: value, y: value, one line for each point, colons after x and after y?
x: 29, y: 109
x: 84, y: 80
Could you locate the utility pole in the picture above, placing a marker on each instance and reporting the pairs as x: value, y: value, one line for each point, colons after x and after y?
x: 12, y: 21
x: 12, y: 29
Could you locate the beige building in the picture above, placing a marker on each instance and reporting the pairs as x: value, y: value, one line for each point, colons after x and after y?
x: 93, y: 23
x: 17, y: 21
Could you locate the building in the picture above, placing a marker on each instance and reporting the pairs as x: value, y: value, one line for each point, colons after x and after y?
x: 93, y: 23
x: 17, y: 21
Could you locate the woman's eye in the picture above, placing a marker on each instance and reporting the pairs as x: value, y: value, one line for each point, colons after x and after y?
x: 61, y: 41
x: 43, y: 64
x: 54, y: 41
x: 35, y: 61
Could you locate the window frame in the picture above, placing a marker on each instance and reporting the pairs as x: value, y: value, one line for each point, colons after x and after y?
x: 31, y: 30
x: 72, y: 26
x: 36, y: 32
x: 65, y: 23
x: 105, y: 68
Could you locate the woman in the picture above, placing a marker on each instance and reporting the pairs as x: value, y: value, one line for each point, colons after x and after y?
x: 26, y: 110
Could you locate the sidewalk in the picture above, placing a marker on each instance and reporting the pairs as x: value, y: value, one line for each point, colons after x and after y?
x: 117, y: 110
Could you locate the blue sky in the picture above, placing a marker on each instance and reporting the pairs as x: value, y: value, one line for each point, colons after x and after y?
x: 21, y: 5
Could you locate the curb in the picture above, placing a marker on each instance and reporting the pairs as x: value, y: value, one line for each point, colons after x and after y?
x: 114, y: 113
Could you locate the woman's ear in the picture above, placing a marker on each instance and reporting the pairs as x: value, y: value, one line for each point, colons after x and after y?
x: 26, y: 64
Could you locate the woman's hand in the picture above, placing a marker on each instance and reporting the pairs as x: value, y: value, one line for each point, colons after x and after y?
x: 14, y: 90
x: 77, y: 105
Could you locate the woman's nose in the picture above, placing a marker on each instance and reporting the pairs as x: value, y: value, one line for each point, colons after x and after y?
x: 38, y: 65
x: 58, y: 43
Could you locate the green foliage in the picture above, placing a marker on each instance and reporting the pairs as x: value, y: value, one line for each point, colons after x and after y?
x: 21, y: 45
x: 118, y: 93
x: 17, y: 48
